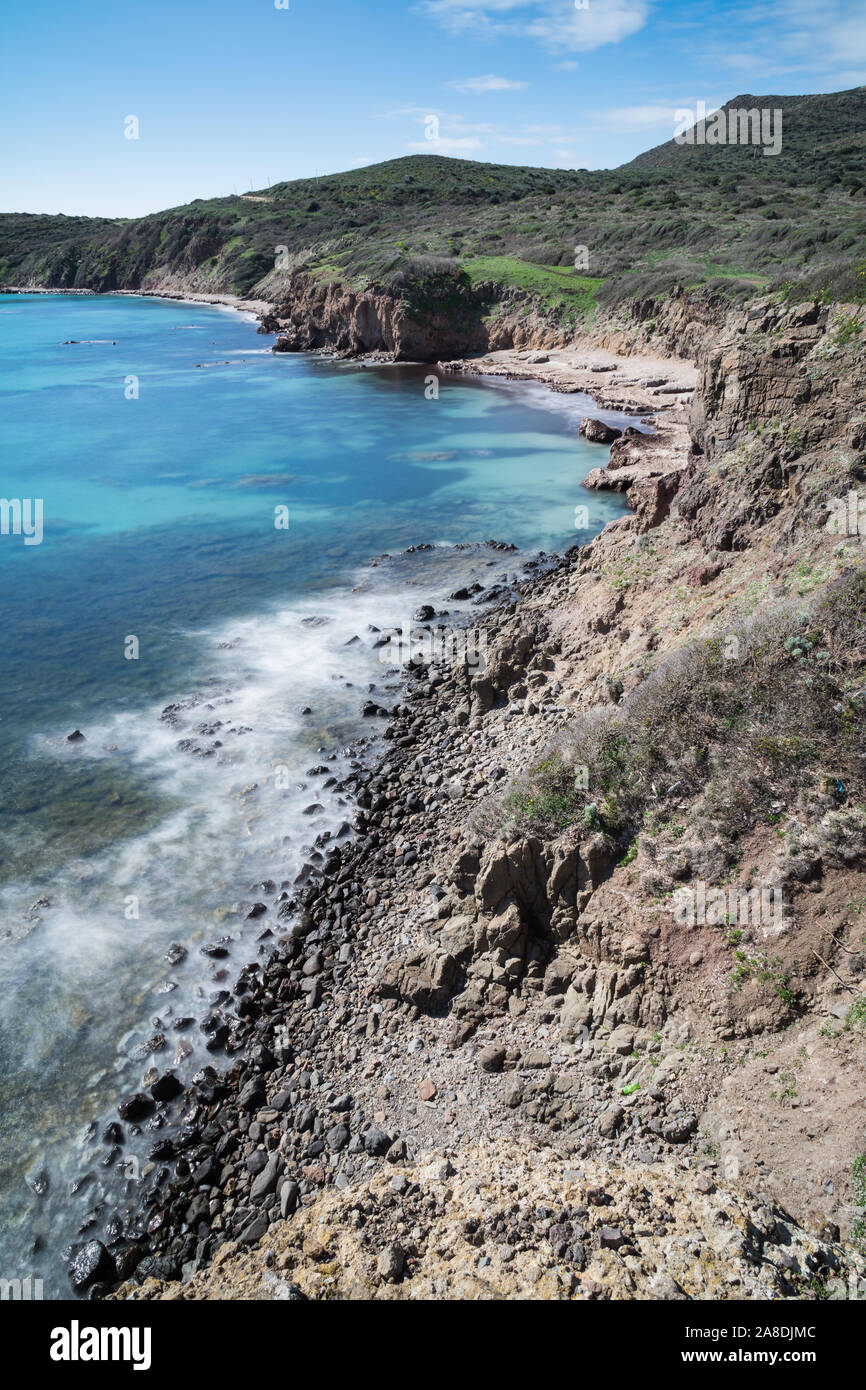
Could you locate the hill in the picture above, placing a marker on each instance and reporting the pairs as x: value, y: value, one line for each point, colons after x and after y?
x: 818, y: 132
x: 679, y: 215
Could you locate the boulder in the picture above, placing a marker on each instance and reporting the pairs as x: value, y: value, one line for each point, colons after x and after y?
x: 597, y: 432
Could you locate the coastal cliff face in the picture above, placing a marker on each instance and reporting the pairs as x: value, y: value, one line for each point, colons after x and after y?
x: 458, y: 321
x: 776, y: 363
x: 589, y: 981
x: 452, y: 322
x: 312, y: 314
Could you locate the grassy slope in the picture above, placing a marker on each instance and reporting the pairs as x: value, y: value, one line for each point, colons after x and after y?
x: 711, y: 215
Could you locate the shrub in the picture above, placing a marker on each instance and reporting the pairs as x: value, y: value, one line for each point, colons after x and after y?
x: 737, y: 734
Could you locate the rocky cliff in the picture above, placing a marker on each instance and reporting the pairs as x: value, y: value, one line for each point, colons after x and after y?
x: 580, y: 1012
x: 458, y: 321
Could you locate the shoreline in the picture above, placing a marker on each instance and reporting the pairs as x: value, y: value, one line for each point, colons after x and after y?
x: 614, y: 382
x: 452, y: 1000
x: 488, y: 621
x: 230, y: 301
x: 532, y: 586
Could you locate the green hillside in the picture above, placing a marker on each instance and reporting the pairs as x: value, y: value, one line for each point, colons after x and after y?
x: 677, y: 215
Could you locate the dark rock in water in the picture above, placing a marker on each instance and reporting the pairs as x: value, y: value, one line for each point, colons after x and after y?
x: 459, y: 594
x: 209, y: 1085
x: 113, y: 1134
x: 135, y: 1107
x: 126, y: 1262
x: 39, y: 1182
x: 162, y: 1149
x: 75, y: 737
x: 490, y: 595
x: 90, y: 1263
x: 113, y: 1230
x: 425, y: 613
x: 101, y: 1289
x: 182, y: 1025
x: 166, y: 1087
x: 217, y: 949
x: 257, y: 910
x: 597, y: 432
x: 175, y: 953
x: 218, y: 1038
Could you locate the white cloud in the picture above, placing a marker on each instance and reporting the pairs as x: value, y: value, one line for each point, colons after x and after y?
x: 556, y: 24
x: 654, y: 116
x: 636, y: 117
x: 489, y: 83
x: 780, y: 37
x: 564, y: 27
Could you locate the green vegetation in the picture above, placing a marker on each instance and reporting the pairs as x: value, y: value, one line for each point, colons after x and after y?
x: 856, y: 1015
x: 721, y: 218
x: 727, y: 738
x: 558, y: 288
x: 759, y: 969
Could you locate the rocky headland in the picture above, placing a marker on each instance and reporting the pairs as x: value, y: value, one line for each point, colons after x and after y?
x: 493, y: 1045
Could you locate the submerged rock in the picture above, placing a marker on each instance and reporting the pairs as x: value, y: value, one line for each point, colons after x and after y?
x: 91, y: 1263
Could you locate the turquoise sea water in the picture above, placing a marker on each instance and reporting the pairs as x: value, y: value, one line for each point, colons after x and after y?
x: 161, y: 438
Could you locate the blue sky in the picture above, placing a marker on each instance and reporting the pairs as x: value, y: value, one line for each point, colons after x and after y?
x: 236, y: 94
